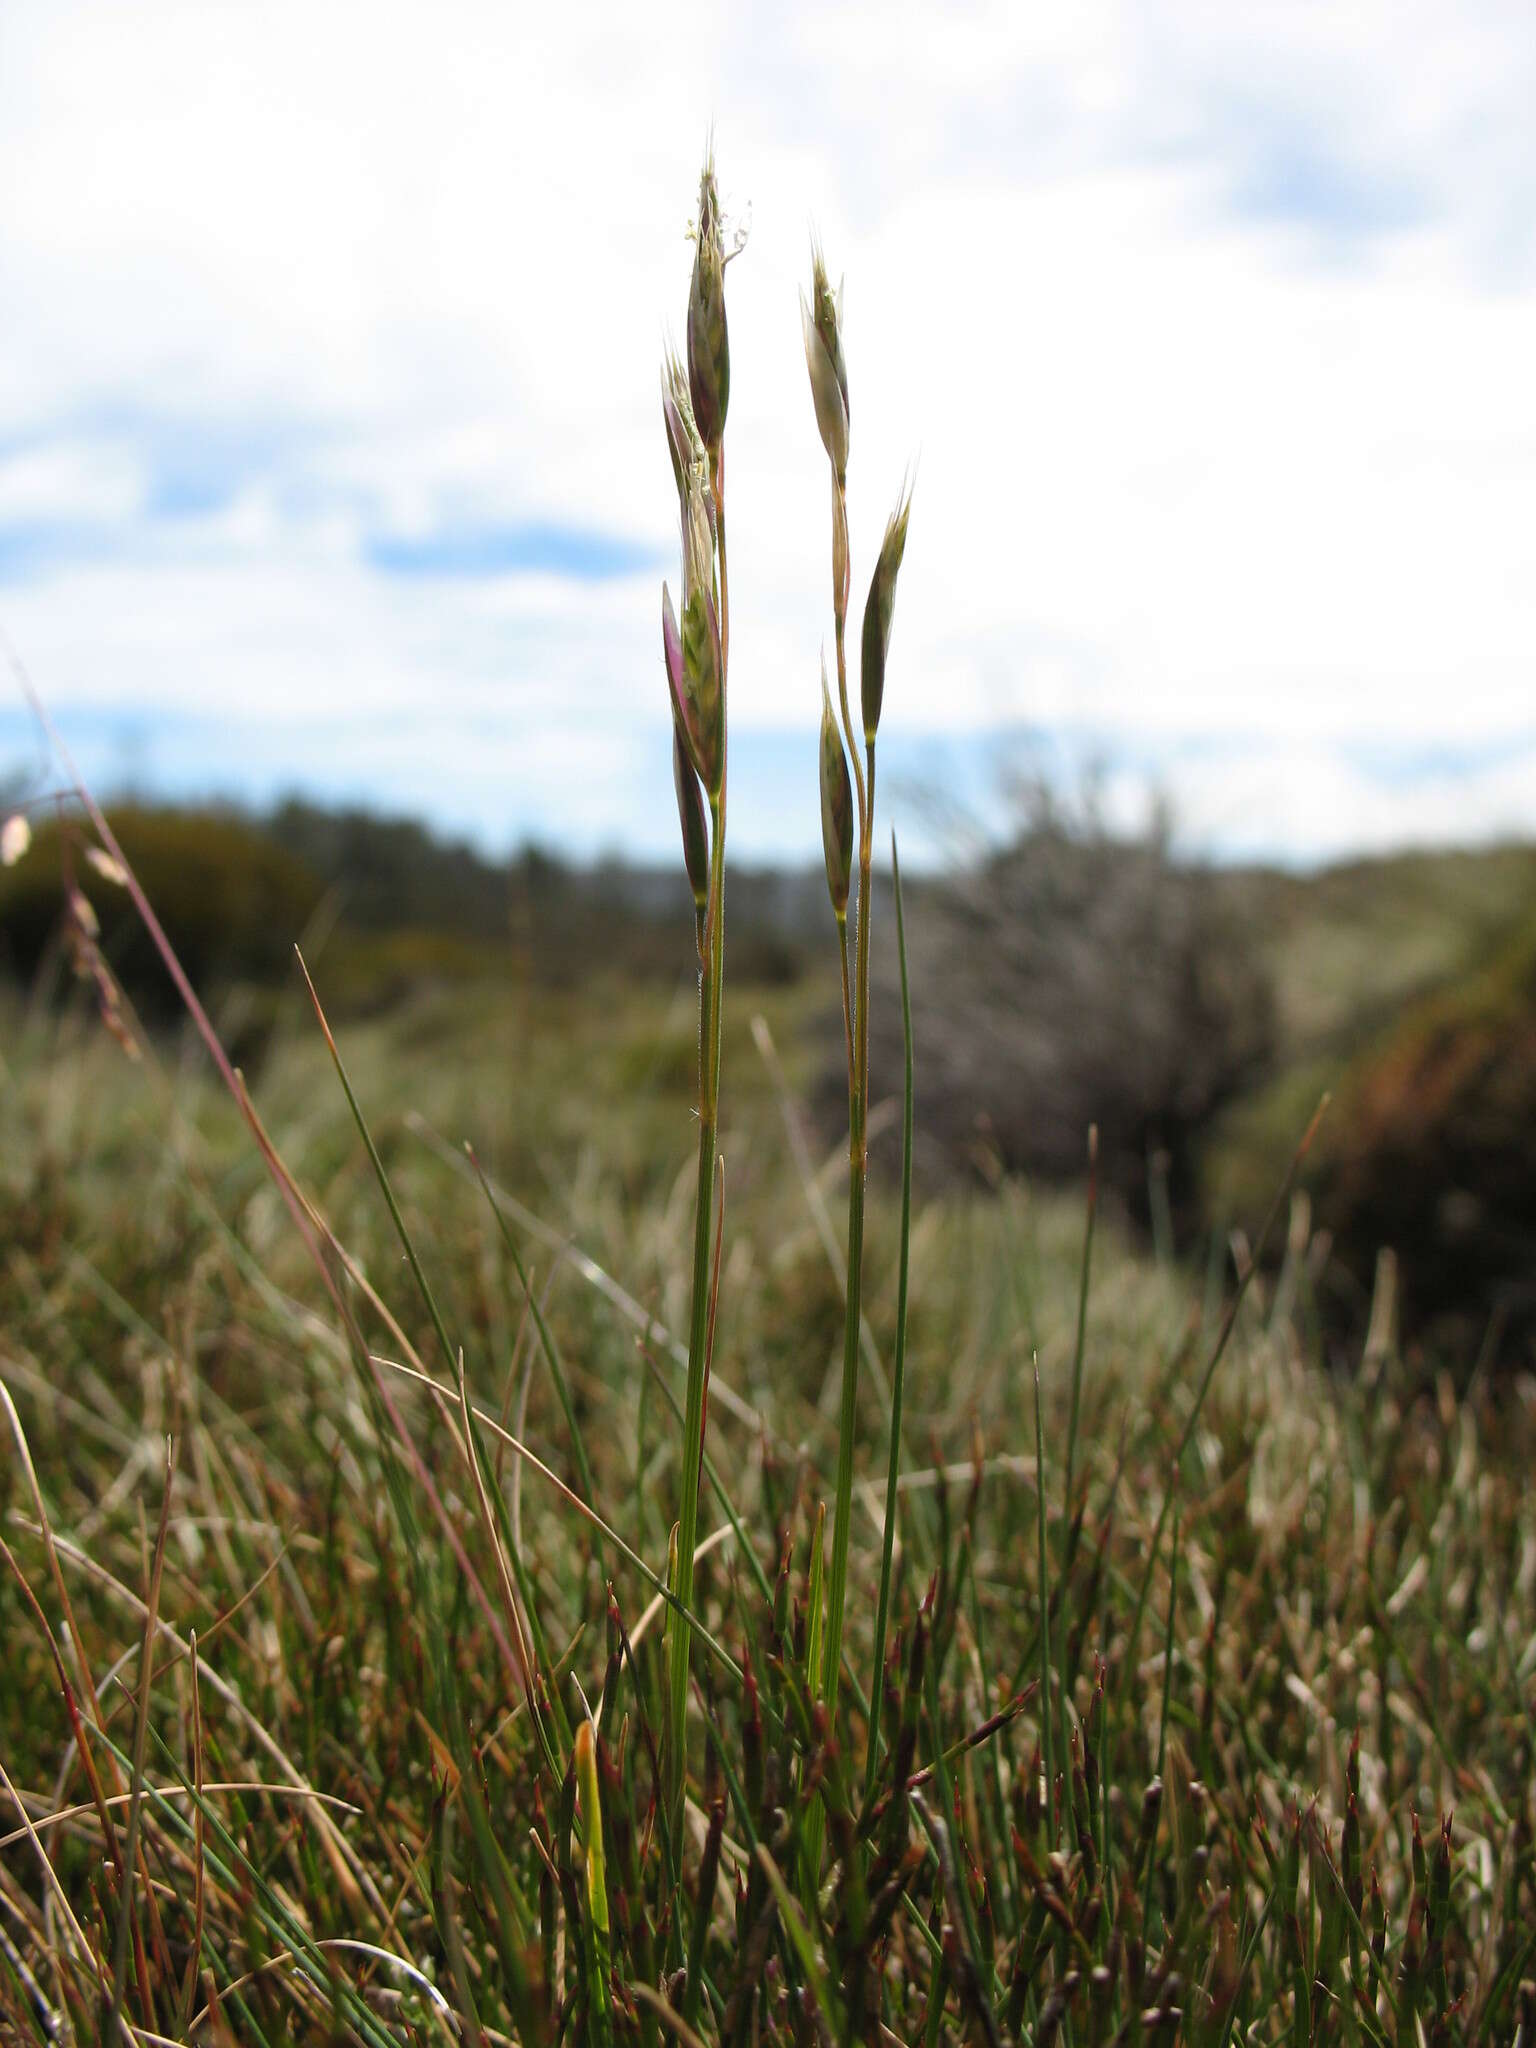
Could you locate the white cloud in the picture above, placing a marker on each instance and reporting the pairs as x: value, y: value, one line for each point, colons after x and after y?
x: 1306, y: 802
x: 1211, y: 328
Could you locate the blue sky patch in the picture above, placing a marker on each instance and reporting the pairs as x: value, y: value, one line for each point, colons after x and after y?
x: 32, y: 547
x: 1286, y: 172
x: 580, y: 554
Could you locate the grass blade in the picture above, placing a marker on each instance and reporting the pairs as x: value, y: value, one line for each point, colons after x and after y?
x: 126, y: 1924
x: 1047, y: 1706
x: 899, y: 1363
x: 1082, y: 1316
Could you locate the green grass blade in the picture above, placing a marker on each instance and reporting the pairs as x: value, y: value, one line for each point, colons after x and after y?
x: 899, y: 1363
x: 1162, y: 1722
x: 800, y: 1940
x: 1047, y: 1708
x: 113, y: 2019
x: 1223, y: 1335
x: 547, y: 1343
x: 407, y: 1244
x: 1082, y: 1317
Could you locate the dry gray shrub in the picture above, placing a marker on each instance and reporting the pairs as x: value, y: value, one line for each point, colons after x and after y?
x: 1071, y: 978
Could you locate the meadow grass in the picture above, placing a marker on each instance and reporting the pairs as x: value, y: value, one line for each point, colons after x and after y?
x: 456, y: 1590
x: 1340, y: 1560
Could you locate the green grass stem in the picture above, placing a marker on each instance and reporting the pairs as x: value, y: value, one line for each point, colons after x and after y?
x: 710, y: 989
x: 899, y: 1363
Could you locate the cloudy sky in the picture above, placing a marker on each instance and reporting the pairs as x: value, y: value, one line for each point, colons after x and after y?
x: 330, y: 451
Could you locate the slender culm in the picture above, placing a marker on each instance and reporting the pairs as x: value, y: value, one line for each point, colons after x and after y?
x: 697, y: 652
x: 821, y: 329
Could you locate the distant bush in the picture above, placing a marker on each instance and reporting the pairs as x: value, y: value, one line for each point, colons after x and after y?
x: 1076, y: 978
x: 399, y: 910
x: 1428, y: 1149
x: 549, y: 920
x: 232, y: 902
x: 392, y: 873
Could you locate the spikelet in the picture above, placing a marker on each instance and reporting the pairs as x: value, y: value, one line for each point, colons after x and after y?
x: 836, y: 805
x: 693, y: 661
x: 691, y: 816
x: 709, y: 354
x: 683, y: 443
x: 878, y: 608
x: 15, y: 838
x: 821, y: 327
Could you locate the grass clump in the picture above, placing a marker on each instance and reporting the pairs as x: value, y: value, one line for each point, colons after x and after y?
x: 464, y: 1676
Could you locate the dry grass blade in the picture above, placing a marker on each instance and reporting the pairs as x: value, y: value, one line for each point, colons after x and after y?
x: 1218, y: 1351
x: 581, y: 1262
x: 341, y: 1944
x: 588, y: 1513
x: 82, y: 1947
x: 101, y: 1803
x: 672, y: 2020
x: 127, y: 1926
x: 51, y: 1549
x: 64, y: 1816
x: 352, y: 1876
x: 493, y: 1537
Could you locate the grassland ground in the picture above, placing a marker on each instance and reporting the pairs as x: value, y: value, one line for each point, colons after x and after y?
x: 1232, y: 1592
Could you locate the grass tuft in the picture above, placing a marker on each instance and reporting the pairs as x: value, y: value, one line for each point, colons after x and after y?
x: 321, y: 1728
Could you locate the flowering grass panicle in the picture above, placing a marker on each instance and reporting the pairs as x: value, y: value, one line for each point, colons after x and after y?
x: 697, y: 652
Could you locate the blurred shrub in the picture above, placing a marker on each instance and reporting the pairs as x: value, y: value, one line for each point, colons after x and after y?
x: 365, y: 974
x: 1075, y: 978
x: 392, y: 873
x: 232, y: 902
x: 400, y: 911
x: 553, y: 922
x: 1429, y: 1149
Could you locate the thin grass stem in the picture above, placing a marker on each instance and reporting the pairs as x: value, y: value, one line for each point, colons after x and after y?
x: 1047, y: 1714
x: 1228, y: 1324
x: 899, y: 1364
x: 710, y: 983
x: 858, y: 1168
x: 1082, y: 1316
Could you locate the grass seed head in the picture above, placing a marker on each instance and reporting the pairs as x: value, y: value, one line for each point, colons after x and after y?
x: 709, y: 354
x: 683, y: 441
x: 697, y: 512
x: 684, y: 710
x: 705, y: 688
x: 694, y: 659
x: 840, y: 571
x: 690, y: 811
x: 692, y: 650
x: 878, y: 608
x: 15, y: 838
x: 821, y: 326
x: 836, y: 805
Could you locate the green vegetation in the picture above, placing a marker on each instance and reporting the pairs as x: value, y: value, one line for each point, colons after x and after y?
x: 1406, y: 987
x: 422, y: 1620
x: 230, y: 896
x: 1432, y: 1156
x: 1348, y: 1558
x: 391, y: 909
